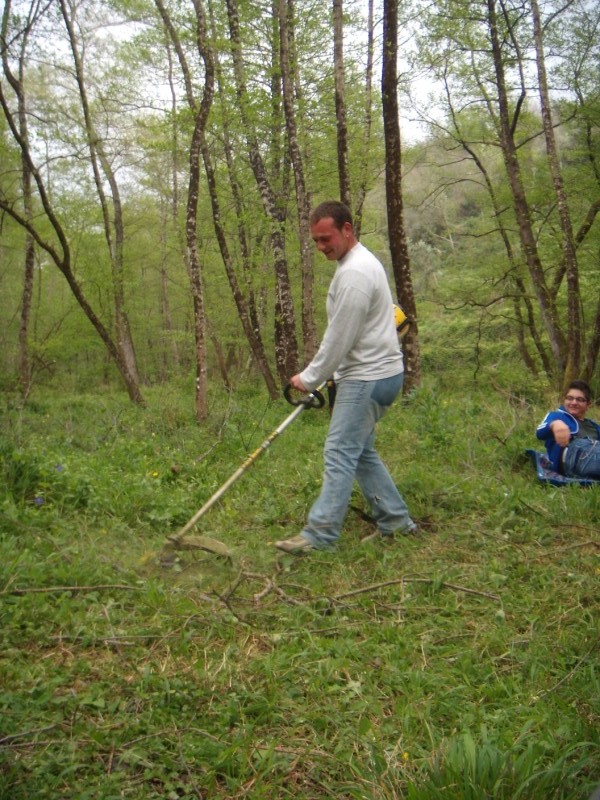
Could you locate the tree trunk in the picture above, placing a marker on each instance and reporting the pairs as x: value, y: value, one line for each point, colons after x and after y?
x: 514, y: 275
x: 286, y: 346
x: 368, y: 119
x: 574, y: 332
x: 393, y: 190
x: 221, y: 360
x: 251, y: 330
x: 170, y: 352
x: 191, y: 217
x: 193, y: 256
x: 340, y: 103
x: 593, y: 348
x: 102, y: 168
x: 62, y: 258
x: 249, y: 298
x: 63, y: 262
x: 201, y: 111
x: 25, y: 373
x: 520, y: 204
x: 309, y: 334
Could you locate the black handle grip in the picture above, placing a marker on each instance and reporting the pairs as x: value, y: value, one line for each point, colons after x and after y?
x: 312, y: 400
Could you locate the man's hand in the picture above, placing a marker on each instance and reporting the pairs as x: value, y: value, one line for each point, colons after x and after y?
x: 561, y: 433
x: 297, y: 383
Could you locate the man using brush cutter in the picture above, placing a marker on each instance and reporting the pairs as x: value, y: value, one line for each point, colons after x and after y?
x: 360, y: 349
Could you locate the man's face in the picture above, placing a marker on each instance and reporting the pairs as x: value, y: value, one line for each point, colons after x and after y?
x: 576, y: 403
x: 330, y: 240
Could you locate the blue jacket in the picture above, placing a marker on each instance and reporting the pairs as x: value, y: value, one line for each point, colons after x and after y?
x: 544, y: 433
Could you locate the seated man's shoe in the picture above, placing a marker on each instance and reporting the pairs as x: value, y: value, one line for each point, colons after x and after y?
x: 295, y: 545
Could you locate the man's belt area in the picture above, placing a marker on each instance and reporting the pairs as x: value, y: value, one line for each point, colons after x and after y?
x: 331, y: 390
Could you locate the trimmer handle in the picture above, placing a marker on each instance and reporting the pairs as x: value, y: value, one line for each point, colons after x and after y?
x: 312, y: 400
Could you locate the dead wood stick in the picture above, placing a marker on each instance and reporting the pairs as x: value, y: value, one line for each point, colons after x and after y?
x: 268, y: 588
x: 54, y: 589
x: 12, y: 736
x: 590, y: 543
x: 569, y: 674
x: 397, y: 581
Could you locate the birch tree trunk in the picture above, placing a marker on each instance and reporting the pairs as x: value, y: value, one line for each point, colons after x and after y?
x: 340, y: 103
x: 286, y: 346
x: 60, y: 254
x: 17, y: 85
x: 520, y: 296
x: 201, y: 110
x: 521, y: 207
x: 170, y: 353
x: 545, y: 203
x: 367, y: 125
x: 171, y: 350
x: 574, y: 333
x: 249, y: 324
x: 114, y: 231
x: 393, y: 193
x: 309, y: 335
x: 250, y: 309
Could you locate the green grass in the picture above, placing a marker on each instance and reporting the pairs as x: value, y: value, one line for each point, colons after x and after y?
x: 459, y: 664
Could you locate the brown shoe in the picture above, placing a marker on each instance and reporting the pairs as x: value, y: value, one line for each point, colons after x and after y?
x: 295, y: 545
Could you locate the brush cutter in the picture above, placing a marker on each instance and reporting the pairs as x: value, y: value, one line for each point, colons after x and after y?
x: 180, y: 540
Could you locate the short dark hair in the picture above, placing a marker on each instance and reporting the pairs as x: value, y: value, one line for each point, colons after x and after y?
x: 582, y: 386
x: 339, y: 213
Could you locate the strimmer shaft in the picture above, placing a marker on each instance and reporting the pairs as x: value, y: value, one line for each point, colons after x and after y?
x: 310, y: 402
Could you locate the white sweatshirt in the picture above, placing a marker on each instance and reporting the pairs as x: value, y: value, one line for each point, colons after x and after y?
x: 360, y: 342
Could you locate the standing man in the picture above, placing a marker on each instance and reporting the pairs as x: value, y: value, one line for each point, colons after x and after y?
x: 360, y: 349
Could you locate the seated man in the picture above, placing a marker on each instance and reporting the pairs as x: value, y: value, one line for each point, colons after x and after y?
x: 572, y: 440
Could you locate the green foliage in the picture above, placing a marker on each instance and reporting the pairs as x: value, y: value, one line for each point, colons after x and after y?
x: 464, y: 209
x: 457, y: 664
x: 472, y: 768
x: 32, y: 478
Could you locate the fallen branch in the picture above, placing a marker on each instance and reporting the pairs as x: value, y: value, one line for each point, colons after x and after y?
x: 568, y: 676
x: 12, y: 736
x: 285, y: 597
x: 112, y: 641
x: 397, y: 581
x: 225, y: 599
x: 45, y: 743
x: 268, y: 588
x: 590, y: 543
x: 54, y: 589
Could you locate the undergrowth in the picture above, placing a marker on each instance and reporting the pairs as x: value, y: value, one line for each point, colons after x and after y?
x: 458, y: 664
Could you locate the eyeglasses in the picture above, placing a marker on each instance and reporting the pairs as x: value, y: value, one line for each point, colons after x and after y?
x: 570, y: 399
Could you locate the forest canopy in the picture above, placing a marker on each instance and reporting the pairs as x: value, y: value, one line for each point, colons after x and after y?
x: 159, y: 161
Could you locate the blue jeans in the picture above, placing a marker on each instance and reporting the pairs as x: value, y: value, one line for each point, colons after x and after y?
x: 582, y: 459
x: 350, y: 454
